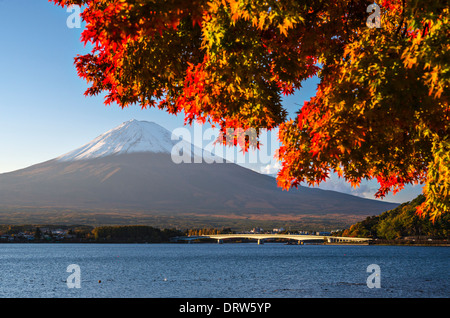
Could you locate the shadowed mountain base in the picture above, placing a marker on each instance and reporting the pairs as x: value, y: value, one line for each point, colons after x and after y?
x: 152, y: 182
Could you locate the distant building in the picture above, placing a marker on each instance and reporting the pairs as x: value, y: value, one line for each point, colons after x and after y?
x: 5, y: 237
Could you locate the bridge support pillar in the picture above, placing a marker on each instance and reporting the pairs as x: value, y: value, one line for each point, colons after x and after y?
x: 260, y: 241
x: 219, y: 241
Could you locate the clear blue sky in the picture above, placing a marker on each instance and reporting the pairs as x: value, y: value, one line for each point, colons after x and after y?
x: 43, y: 112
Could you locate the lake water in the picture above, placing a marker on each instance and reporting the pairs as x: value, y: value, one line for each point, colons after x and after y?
x: 222, y: 271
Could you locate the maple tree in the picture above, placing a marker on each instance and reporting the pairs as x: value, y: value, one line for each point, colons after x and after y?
x: 380, y: 110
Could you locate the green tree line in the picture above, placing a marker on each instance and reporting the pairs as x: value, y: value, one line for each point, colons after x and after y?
x: 401, y: 222
x: 109, y: 233
x: 134, y: 233
x: 209, y: 231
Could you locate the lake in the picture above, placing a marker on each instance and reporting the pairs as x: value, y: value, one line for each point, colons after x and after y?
x: 235, y: 270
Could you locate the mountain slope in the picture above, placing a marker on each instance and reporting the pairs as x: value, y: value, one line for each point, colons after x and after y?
x: 402, y: 221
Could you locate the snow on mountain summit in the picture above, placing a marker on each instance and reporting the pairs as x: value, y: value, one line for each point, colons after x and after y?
x: 129, y: 137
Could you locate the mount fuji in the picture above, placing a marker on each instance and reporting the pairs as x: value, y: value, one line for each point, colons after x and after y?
x: 130, y: 137
x: 130, y: 168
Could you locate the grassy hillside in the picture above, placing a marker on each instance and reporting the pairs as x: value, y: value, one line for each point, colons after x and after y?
x: 401, y: 222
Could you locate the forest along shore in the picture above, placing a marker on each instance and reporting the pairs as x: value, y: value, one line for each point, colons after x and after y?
x: 148, y: 234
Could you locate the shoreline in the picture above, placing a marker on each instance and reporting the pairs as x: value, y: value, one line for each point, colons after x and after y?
x: 281, y: 243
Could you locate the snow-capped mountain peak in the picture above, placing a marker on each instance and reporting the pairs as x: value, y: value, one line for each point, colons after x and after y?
x: 129, y: 137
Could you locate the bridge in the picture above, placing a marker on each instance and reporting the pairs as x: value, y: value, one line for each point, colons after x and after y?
x: 261, y: 238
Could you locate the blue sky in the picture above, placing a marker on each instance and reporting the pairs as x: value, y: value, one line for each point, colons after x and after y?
x: 43, y: 112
